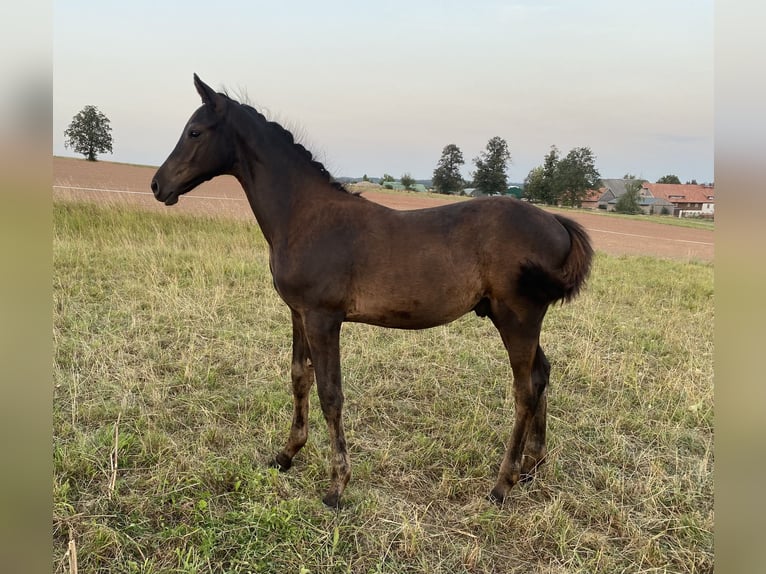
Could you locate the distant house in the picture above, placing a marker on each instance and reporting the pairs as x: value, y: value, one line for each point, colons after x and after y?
x: 590, y: 201
x: 655, y: 206
x: 688, y: 200
x: 611, y: 190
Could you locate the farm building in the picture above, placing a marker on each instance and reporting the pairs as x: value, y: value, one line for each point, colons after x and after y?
x: 611, y: 190
x: 655, y: 206
x: 590, y: 201
x: 687, y: 200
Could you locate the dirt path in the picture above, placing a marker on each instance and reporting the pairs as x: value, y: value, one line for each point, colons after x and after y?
x: 122, y: 183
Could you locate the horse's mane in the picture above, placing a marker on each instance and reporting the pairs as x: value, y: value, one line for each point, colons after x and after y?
x: 287, y: 135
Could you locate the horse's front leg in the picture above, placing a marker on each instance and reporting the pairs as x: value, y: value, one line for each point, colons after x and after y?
x: 302, y: 374
x: 323, y: 335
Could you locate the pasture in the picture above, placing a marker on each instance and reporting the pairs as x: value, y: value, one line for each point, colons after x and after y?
x: 171, y: 395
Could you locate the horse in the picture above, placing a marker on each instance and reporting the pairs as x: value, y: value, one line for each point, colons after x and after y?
x: 336, y: 256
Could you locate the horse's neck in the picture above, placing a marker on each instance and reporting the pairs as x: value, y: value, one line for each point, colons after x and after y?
x: 275, y: 190
x: 277, y: 177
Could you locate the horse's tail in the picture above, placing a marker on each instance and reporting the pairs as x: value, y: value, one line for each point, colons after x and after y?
x: 577, y: 265
x: 564, y: 283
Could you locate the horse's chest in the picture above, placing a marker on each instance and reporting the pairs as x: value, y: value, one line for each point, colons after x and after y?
x: 302, y: 283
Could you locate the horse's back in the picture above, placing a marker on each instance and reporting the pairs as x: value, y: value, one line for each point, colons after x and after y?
x: 490, y: 224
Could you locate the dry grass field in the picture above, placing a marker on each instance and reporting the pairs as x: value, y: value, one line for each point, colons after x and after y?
x: 171, y: 394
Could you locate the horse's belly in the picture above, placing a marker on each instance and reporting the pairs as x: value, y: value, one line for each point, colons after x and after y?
x: 410, y: 314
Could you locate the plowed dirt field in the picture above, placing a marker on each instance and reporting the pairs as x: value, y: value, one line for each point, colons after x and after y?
x: 75, y: 179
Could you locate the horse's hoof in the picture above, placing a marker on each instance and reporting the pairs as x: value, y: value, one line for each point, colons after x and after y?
x: 332, y: 500
x: 526, y: 478
x: 530, y: 467
x: 501, y: 490
x: 281, y: 463
x: 496, y: 497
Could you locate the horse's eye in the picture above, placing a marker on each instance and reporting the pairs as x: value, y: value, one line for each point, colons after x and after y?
x: 194, y: 133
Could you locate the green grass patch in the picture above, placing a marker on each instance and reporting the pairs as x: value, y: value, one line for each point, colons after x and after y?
x: 690, y: 222
x: 172, y: 350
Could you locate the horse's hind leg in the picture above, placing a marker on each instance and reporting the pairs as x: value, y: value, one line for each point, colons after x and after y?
x: 302, y: 374
x: 521, y: 336
x: 534, y: 446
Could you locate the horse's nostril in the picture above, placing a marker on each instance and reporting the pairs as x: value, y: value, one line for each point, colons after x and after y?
x: 155, y: 187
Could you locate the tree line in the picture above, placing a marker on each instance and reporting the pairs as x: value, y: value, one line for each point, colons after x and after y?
x: 563, y: 180
x: 490, y: 175
x: 558, y: 181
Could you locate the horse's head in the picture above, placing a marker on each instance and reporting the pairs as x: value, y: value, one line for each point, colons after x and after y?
x: 204, y: 151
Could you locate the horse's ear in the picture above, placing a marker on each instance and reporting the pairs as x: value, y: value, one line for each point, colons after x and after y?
x: 206, y: 92
x: 208, y: 95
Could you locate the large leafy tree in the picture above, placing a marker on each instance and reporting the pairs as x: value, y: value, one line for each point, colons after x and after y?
x: 89, y: 133
x: 542, y: 184
x: 576, y: 174
x: 490, y: 176
x: 669, y: 179
x: 551, y: 191
x: 534, y: 184
x: 447, y: 178
x: 563, y: 180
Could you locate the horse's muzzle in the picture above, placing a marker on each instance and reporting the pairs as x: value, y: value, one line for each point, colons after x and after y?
x: 171, y: 199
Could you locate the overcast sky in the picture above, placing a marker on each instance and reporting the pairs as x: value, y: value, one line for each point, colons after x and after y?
x: 382, y: 87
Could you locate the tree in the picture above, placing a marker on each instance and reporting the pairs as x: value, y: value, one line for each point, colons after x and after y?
x: 447, y: 178
x: 551, y: 189
x: 490, y: 176
x: 542, y: 183
x: 534, y: 184
x: 386, y: 177
x: 628, y: 201
x: 575, y: 175
x: 89, y: 133
x: 563, y: 181
x: 407, y: 181
x: 669, y: 179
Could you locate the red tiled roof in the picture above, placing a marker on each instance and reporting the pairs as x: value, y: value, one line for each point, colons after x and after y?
x: 594, y: 194
x: 681, y: 193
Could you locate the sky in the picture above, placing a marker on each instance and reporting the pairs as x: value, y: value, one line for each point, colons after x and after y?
x: 382, y: 87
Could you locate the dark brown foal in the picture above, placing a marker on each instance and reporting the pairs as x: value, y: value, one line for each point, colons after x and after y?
x: 337, y: 257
